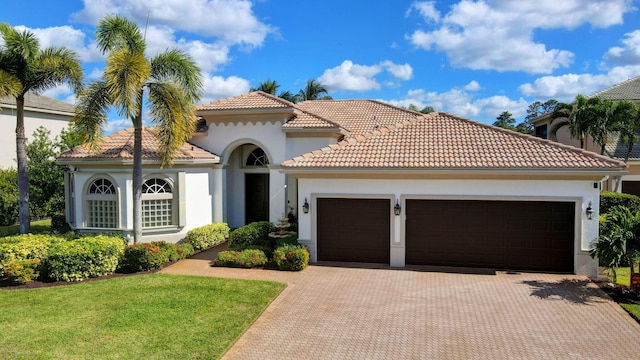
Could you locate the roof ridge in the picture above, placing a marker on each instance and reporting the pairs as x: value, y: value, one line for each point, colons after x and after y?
x: 614, y: 86
x: 272, y: 97
x: 538, y: 139
x: 319, y: 117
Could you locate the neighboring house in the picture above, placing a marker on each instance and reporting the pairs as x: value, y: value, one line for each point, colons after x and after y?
x: 38, y: 111
x: 630, y: 182
x: 368, y: 182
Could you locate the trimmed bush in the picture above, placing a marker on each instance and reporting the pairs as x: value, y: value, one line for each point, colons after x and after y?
x: 21, y: 271
x: 8, y: 197
x: 291, y: 257
x: 246, y: 258
x: 154, y: 255
x: 207, y: 236
x: 289, y: 240
x: 253, y: 234
x: 610, y: 199
x: 84, y: 258
x: 59, y: 223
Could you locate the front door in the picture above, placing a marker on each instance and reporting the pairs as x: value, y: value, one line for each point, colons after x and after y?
x: 256, y: 197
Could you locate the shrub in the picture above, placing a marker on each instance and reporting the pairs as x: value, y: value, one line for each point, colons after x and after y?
x: 8, y: 197
x: 289, y: 240
x: 246, y: 258
x: 154, y: 255
x: 59, y: 223
x: 21, y: 271
x: 610, y: 199
x: 207, y: 236
x: 291, y: 257
x: 84, y: 258
x: 253, y: 234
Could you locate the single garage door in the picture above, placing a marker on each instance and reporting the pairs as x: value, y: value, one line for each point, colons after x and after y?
x: 519, y: 235
x: 353, y: 230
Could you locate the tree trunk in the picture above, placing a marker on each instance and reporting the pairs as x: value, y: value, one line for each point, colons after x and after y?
x: 23, y: 172
x: 137, y: 184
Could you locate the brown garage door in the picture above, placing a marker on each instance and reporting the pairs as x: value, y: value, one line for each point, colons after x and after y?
x: 631, y: 187
x: 353, y: 230
x: 521, y: 235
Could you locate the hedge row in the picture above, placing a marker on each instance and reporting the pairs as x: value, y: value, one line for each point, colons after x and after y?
x: 610, y: 199
x: 149, y: 256
x: 207, y: 236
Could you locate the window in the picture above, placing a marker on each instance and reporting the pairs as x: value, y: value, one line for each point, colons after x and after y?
x: 157, y: 203
x: 257, y: 158
x: 102, y: 210
x: 541, y: 131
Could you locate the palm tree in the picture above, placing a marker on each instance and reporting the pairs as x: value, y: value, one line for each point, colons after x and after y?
x: 172, y: 81
x: 271, y: 87
x: 313, y: 90
x: 609, y: 117
x: 619, y: 242
x: 579, y: 117
x: 629, y: 130
x: 25, y: 67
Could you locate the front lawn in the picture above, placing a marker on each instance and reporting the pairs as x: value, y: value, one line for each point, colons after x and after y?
x: 623, y: 279
x: 36, y: 227
x: 154, y: 316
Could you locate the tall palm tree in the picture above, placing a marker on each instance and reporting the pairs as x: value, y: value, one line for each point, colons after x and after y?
x: 313, y: 90
x: 610, y: 116
x: 172, y: 81
x: 271, y: 87
x: 28, y: 68
x: 579, y: 117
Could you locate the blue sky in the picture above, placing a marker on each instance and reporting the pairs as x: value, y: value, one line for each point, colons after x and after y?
x: 474, y: 59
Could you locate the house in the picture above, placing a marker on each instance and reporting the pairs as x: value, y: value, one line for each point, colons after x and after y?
x: 38, y: 111
x: 368, y: 182
x: 614, y: 148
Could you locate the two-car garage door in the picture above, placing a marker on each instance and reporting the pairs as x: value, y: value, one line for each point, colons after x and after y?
x: 522, y: 235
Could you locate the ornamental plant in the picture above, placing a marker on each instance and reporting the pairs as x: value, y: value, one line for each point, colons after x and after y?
x: 291, y: 257
x: 207, y: 236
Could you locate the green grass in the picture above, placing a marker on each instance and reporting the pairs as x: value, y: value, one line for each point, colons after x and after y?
x: 155, y: 316
x: 37, y: 226
x: 623, y: 278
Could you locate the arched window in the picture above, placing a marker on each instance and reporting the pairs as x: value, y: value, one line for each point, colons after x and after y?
x: 102, y: 209
x: 257, y: 158
x: 157, y: 203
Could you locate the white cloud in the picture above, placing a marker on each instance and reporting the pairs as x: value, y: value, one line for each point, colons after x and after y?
x: 232, y: 21
x: 627, y: 55
x: 566, y: 87
x: 66, y: 36
x: 61, y: 92
x: 217, y: 87
x: 461, y: 101
x: 426, y: 9
x: 354, y: 77
x: 498, y: 34
x: 112, y: 126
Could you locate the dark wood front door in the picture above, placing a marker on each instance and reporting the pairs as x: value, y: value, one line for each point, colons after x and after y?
x: 520, y: 235
x: 354, y: 230
x: 256, y: 197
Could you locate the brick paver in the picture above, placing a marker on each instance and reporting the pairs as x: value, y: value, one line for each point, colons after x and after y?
x: 340, y: 312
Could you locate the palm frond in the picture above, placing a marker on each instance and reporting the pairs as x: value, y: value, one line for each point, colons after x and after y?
x: 22, y: 44
x: 91, y: 112
x: 178, y: 67
x: 174, y: 115
x: 9, y: 84
x: 55, y: 66
x: 115, y: 33
x: 126, y: 74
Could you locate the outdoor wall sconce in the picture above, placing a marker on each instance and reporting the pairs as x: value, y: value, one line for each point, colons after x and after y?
x: 397, y: 209
x: 590, y: 211
x: 305, y: 206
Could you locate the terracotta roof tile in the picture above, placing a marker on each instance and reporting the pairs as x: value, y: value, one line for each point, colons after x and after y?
x: 307, y: 120
x: 252, y: 100
x: 443, y: 141
x: 120, y: 146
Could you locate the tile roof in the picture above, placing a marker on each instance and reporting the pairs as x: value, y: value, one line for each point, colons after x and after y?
x: 443, y: 141
x: 309, y: 121
x: 627, y: 90
x: 120, y: 146
x: 358, y: 116
x: 617, y: 149
x: 252, y: 100
x: 39, y: 102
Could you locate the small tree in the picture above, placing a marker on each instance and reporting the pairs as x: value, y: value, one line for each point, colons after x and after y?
x: 425, y: 110
x: 619, y: 241
x: 506, y: 121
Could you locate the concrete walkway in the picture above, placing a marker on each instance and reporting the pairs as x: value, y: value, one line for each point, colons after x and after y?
x: 342, y: 312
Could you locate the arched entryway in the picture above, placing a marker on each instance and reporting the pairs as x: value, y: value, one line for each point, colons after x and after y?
x: 247, y: 185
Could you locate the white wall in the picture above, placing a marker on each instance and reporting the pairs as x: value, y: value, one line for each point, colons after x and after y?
x: 32, y: 121
x: 198, y: 205
x: 579, y: 191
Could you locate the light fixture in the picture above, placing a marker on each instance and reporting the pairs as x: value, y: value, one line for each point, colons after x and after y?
x: 590, y: 211
x: 305, y: 206
x: 397, y: 209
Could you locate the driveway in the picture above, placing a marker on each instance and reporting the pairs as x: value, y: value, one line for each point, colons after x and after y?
x: 354, y: 312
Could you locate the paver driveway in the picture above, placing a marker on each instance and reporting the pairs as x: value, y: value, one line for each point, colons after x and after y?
x: 331, y: 312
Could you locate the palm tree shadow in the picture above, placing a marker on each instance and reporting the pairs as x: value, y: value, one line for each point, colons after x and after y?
x: 575, y: 291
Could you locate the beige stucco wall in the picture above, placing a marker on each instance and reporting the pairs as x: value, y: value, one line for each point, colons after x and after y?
x: 32, y: 120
